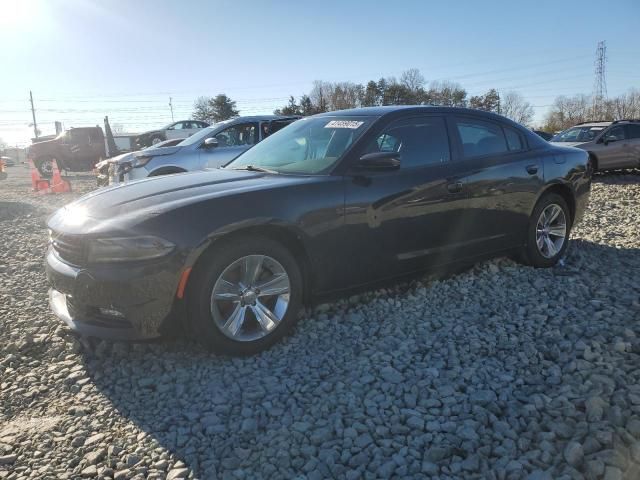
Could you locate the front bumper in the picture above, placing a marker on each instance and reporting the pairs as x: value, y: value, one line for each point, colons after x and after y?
x: 120, y: 302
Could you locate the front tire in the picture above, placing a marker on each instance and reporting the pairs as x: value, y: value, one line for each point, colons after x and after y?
x: 548, y: 231
x: 45, y: 166
x: 244, y: 295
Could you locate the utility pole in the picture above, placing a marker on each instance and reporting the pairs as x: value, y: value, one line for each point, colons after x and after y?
x: 171, y: 107
x: 33, y: 114
x: 600, y: 82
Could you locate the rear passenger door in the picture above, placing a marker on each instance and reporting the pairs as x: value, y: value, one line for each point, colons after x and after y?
x: 502, y: 176
x: 633, y: 141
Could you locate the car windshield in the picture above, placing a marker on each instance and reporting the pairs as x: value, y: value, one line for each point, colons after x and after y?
x: 309, y: 146
x: 578, y: 134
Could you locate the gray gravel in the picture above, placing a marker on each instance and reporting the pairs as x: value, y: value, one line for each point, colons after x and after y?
x: 499, y: 372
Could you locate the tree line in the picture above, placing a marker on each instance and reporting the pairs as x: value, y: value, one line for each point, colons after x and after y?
x: 568, y: 111
x: 412, y: 89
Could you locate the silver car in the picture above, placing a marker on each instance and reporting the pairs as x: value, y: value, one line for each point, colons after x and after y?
x: 611, y: 145
x: 211, y: 147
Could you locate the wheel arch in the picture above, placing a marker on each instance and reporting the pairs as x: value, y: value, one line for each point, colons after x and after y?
x: 593, y: 158
x: 565, y: 192
x: 283, y: 234
x: 166, y: 170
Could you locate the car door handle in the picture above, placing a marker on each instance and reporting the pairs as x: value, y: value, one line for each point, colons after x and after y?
x: 532, y: 169
x: 455, y: 187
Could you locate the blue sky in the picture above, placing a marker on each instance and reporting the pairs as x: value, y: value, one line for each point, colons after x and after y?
x: 84, y: 59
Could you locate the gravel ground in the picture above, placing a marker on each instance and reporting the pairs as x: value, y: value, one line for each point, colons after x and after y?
x: 499, y: 372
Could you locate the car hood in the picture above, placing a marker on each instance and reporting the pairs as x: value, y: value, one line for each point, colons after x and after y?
x: 568, y: 144
x: 129, y: 204
x: 157, y: 152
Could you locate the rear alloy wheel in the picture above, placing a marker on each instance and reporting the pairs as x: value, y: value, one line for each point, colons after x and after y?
x: 549, y: 229
x: 156, y: 139
x: 245, y: 296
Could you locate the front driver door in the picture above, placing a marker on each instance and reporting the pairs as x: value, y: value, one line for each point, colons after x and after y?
x: 408, y: 219
x: 232, y: 141
x: 614, y: 148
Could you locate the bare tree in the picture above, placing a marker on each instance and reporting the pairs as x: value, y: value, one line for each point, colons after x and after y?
x: 447, y: 93
x: 412, y: 79
x: 568, y: 111
x: 320, y: 95
x: 514, y: 106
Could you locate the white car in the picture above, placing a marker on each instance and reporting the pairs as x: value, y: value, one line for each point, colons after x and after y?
x: 181, y: 129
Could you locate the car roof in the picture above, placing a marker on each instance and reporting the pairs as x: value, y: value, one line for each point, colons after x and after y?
x: 593, y: 124
x: 391, y: 109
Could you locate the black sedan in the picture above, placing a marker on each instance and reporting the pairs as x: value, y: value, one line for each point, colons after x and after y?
x: 331, y: 202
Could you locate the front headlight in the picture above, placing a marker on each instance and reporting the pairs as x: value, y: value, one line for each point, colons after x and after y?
x: 128, y: 249
x: 140, y: 161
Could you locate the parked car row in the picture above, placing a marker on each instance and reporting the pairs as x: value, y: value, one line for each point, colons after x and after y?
x: 211, y: 147
x: 330, y: 203
x: 611, y: 145
x: 81, y: 149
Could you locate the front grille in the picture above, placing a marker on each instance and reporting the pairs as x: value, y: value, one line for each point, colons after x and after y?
x: 70, y: 248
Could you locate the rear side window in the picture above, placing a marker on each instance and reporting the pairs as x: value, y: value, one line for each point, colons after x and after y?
x: 633, y: 131
x: 420, y: 141
x: 514, y: 139
x: 480, y: 138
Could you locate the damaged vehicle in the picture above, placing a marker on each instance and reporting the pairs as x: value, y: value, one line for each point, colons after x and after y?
x: 106, y: 169
x: 330, y: 203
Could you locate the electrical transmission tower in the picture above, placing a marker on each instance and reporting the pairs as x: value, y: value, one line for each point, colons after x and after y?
x: 600, y: 83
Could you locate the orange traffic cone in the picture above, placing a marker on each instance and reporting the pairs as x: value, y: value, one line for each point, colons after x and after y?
x: 58, y: 184
x: 38, y: 183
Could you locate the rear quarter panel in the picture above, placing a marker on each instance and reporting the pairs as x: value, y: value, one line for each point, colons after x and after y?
x: 570, y: 167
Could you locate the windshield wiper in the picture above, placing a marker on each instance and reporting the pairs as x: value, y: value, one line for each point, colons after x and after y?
x: 254, y: 168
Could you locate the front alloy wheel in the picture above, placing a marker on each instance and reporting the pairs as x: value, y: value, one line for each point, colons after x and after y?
x: 250, y: 298
x: 244, y: 295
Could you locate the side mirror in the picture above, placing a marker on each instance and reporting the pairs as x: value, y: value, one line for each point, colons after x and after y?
x: 608, y: 140
x: 379, y: 161
x: 211, y: 142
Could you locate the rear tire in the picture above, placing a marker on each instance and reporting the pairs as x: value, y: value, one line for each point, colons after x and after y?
x: 228, y: 316
x: 45, y: 166
x: 548, y: 232
x: 154, y: 140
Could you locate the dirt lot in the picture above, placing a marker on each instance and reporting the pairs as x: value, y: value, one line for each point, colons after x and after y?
x: 500, y: 372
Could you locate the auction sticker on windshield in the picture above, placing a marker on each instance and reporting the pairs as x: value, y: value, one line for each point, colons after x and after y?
x: 353, y: 124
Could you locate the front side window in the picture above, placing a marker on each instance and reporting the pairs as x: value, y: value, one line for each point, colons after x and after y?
x: 420, y: 141
x: 79, y: 137
x: 614, y: 134
x: 480, y: 138
x: 309, y: 146
x: 237, y: 135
